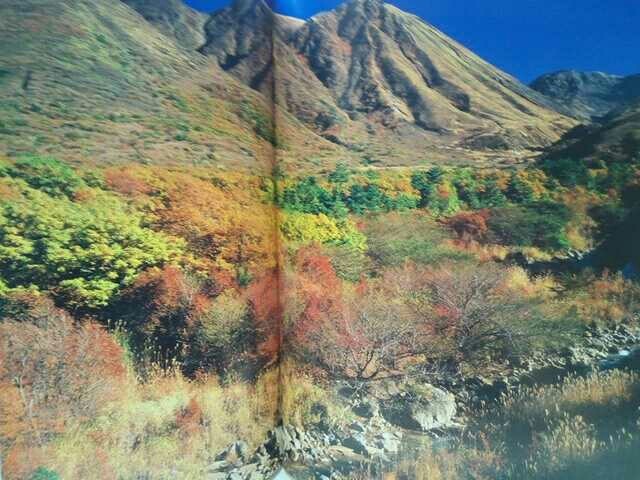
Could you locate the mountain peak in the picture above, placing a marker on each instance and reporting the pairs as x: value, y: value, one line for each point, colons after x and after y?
x: 243, y: 7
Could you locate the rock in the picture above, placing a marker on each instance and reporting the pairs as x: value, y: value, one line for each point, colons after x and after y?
x: 577, y: 357
x: 432, y: 409
x: 367, y: 408
x: 218, y: 466
x: 357, y: 443
x: 242, y: 450
x: 388, y: 442
x: 217, y: 476
x: 357, y: 426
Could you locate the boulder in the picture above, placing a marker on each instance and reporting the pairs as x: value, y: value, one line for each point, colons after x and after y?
x: 388, y: 442
x: 428, y: 409
x: 367, y: 408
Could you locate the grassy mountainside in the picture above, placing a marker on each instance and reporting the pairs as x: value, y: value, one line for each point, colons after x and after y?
x: 616, y: 138
x: 94, y: 80
x: 141, y: 261
x: 174, y: 19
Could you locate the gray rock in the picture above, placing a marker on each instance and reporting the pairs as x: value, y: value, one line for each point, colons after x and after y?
x: 433, y: 409
x: 367, y: 408
x: 357, y: 427
x: 357, y: 443
x: 388, y: 442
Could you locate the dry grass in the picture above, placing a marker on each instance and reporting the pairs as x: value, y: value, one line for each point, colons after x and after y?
x: 583, y: 428
x: 168, y: 427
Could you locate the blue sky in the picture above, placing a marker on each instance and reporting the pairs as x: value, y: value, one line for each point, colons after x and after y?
x: 523, y: 37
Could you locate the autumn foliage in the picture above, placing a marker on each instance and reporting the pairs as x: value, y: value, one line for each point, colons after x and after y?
x: 54, y: 371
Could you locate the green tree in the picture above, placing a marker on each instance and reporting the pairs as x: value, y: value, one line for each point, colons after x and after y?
x: 48, y: 174
x: 340, y: 174
x: 367, y: 198
x: 569, y: 172
x: 540, y: 224
x: 425, y: 182
x: 519, y: 191
x: 307, y: 196
x: 84, y: 253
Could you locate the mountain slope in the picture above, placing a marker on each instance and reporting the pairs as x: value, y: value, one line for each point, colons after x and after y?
x: 93, y: 81
x: 174, y: 19
x: 367, y: 76
x: 615, y: 139
x: 588, y: 95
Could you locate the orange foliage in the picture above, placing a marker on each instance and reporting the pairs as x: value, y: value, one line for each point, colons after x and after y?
x: 125, y: 181
x: 190, y: 419
x: 316, y: 290
x: 265, y: 302
x: 469, y: 226
x: 53, y: 371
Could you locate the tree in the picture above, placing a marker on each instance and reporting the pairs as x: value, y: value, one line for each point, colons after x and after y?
x: 540, y: 224
x: 48, y: 174
x: 161, y: 308
x: 469, y: 226
x: 305, y: 228
x: 569, y: 172
x: 491, y: 195
x: 469, y: 311
x: 359, y: 334
x: 443, y: 199
x: 367, y: 198
x: 307, y: 196
x: 425, y: 182
x: 223, y: 338
x: 340, y: 174
x: 367, y: 339
x: 519, y: 190
x: 84, y: 253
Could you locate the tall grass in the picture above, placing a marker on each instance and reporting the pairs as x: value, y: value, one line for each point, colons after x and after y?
x: 582, y: 429
x: 167, y: 427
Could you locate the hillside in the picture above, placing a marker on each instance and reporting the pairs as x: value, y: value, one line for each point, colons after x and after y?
x: 92, y: 81
x: 588, y: 95
x: 158, y: 82
x: 174, y: 19
x: 615, y: 138
x: 380, y: 76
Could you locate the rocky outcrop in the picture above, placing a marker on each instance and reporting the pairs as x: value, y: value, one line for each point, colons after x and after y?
x: 434, y: 409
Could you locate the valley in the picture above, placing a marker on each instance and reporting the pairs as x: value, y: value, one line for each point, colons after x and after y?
x: 347, y: 245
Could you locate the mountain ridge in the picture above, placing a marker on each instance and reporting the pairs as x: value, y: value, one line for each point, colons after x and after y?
x: 375, y: 80
x: 366, y: 83
x: 588, y: 95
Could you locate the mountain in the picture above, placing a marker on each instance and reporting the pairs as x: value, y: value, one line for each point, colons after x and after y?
x: 588, y: 95
x: 384, y: 84
x: 93, y: 81
x: 174, y: 19
x: 155, y: 81
x: 616, y: 138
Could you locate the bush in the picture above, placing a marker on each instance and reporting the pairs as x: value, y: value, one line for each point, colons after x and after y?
x: 44, y: 474
x: 305, y: 228
x: 85, y: 369
x: 307, y: 196
x: 540, y: 224
x: 82, y: 252
x: 49, y: 175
